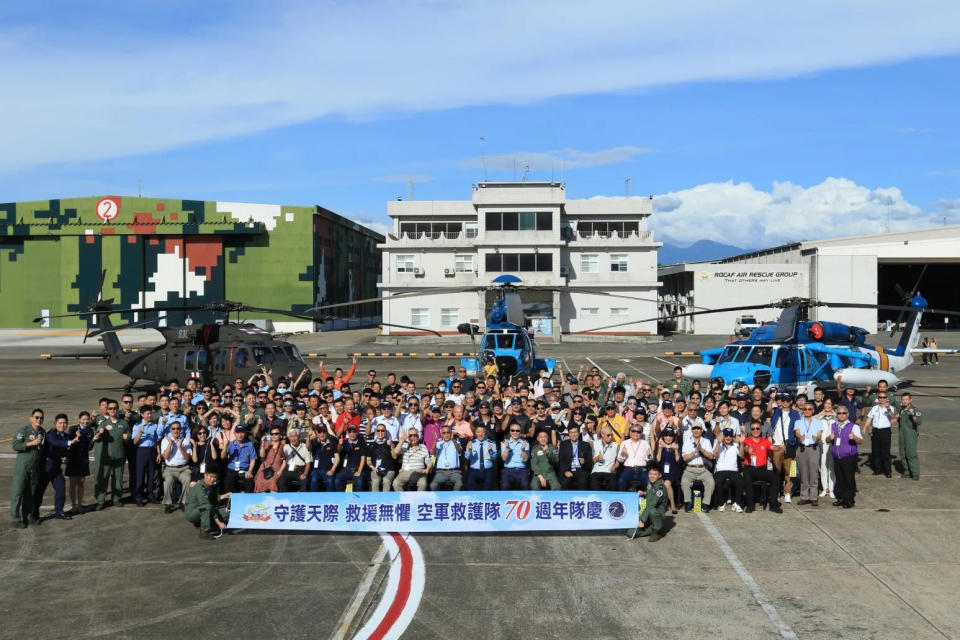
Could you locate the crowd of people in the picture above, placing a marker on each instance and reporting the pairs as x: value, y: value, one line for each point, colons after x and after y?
x: 694, y: 446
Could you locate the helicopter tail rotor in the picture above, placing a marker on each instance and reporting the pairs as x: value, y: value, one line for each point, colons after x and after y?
x: 905, y: 298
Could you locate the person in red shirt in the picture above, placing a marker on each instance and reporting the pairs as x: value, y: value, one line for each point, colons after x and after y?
x: 338, y: 378
x: 348, y: 418
x: 754, y: 452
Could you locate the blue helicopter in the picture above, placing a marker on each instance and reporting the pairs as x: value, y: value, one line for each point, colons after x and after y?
x: 507, y: 342
x: 799, y: 355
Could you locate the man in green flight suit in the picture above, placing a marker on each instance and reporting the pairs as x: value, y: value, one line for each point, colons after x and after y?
x: 109, y: 455
x: 679, y: 383
x: 201, y: 507
x: 910, y: 420
x: 28, y: 443
x: 651, y: 518
x: 543, y: 461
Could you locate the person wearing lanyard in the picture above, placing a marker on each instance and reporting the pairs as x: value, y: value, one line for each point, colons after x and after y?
x: 481, y: 456
x: 809, y: 432
x: 447, y: 455
x: 844, y: 436
x: 695, y: 452
x: 145, y: 440
x: 754, y: 451
x: 175, y: 451
x: 515, y: 453
x: 726, y: 477
x: 784, y: 443
x: 603, y: 475
x: 633, y: 454
x: 204, y: 456
x: 353, y: 454
x: 411, y: 419
x: 879, y: 425
x: 241, y: 456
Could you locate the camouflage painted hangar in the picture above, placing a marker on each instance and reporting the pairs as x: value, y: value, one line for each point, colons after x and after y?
x: 167, y: 252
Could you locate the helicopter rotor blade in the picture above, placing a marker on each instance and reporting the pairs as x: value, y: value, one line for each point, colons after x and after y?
x: 408, y: 294
x: 121, y: 327
x: 403, y: 326
x: 600, y: 293
x: 680, y: 315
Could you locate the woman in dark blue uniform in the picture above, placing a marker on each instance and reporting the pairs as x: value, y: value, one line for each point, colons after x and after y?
x: 54, y: 452
x: 668, y: 461
x: 78, y: 460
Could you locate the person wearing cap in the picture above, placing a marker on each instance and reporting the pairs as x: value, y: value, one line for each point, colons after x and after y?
x: 388, y: 420
x: 726, y: 475
x: 515, y: 452
x: 326, y: 458
x: 754, y: 450
x: 353, y: 454
x: 668, y: 463
x: 654, y: 508
x: 633, y: 455
x: 202, y: 507
x: 380, y: 459
x: 616, y: 422
x: 695, y: 452
x: 603, y: 475
x: 784, y: 450
x: 241, y: 457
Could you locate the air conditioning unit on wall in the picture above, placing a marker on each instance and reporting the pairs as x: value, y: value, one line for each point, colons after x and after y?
x: 418, y: 271
x: 564, y: 272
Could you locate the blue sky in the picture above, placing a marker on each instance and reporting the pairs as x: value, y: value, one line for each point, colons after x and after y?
x: 752, y: 123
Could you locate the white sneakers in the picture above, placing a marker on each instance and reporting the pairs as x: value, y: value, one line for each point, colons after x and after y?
x: 786, y: 498
x: 722, y: 508
x: 737, y: 508
x: 823, y: 494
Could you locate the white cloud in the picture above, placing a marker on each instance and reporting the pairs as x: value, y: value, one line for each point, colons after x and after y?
x: 742, y: 215
x: 125, y: 83
x: 559, y: 160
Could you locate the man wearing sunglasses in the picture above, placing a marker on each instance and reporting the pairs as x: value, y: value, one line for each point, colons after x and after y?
x: 414, y: 462
x: 515, y: 453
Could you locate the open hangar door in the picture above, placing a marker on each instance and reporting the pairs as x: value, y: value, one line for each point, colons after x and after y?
x: 938, y: 287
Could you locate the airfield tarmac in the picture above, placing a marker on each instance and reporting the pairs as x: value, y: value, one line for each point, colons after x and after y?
x: 889, y: 568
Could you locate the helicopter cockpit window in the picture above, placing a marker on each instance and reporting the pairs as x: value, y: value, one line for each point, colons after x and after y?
x: 201, y: 358
x: 240, y: 358
x: 742, y: 354
x: 727, y: 354
x: 189, y: 361
x: 761, y: 355
x: 262, y: 355
x: 291, y: 353
x: 278, y: 354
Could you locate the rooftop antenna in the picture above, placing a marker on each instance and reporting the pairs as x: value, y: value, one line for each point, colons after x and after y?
x: 140, y: 188
x: 410, y: 184
x: 626, y: 188
x: 526, y: 171
x: 514, y: 169
x: 483, y: 158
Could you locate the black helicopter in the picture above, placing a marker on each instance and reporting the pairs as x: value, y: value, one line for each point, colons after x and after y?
x: 216, y: 353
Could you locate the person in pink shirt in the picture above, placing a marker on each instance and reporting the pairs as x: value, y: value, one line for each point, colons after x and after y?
x: 633, y: 455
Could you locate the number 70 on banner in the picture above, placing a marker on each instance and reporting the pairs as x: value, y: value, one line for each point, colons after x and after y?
x: 520, y: 508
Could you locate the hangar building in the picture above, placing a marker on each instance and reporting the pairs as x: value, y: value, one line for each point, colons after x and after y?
x: 852, y: 269
x: 169, y: 252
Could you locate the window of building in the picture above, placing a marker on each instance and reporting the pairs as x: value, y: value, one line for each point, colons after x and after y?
x: 432, y: 230
x: 589, y: 263
x: 449, y: 317
x: 471, y: 230
x: 405, y: 263
x: 619, y: 311
x: 420, y: 317
x: 519, y: 221
x: 618, y: 262
x: 464, y: 263
x: 605, y: 229
x: 589, y: 311
x: 506, y: 262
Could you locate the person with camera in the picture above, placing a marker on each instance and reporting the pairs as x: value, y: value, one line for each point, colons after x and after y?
x: 241, y: 458
x: 415, y: 462
x: 353, y: 457
x: 380, y: 458
x: 297, y: 463
x: 808, y: 432
x: 176, y: 452
x: 447, y: 460
x: 271, y: 456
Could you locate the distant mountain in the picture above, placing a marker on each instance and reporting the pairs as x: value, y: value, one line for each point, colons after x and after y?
x: 698, y: 251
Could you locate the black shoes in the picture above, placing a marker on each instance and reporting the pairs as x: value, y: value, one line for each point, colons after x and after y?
x: 101, y: 507
x: 62, y: 516
x: 776, y: 509
x: 688, y: 507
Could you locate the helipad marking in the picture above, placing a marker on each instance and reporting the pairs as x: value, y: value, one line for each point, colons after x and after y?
x: 392, y: 616
x: 343, y: 625
x: 782, y: 627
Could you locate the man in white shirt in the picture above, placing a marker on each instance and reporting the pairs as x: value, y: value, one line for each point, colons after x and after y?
x: 879, y: 426
x: 603, y: 475
x: 389, y: 421
x: 727, y: 472
x: 809, y: 432
x: 175, y: 452
x: 297, y: 463
x: 695, y: 453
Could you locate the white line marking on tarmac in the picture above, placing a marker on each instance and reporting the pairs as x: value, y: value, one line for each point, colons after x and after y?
x: 590, y: 360
x: 414, y: 575
x: 672, y: 364
x: 782, y: 627
x: 343, y: 624
x: 655, y: 379
x: 947, y: 399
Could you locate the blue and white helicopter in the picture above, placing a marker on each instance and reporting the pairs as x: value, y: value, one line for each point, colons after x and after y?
x: 798, y: 355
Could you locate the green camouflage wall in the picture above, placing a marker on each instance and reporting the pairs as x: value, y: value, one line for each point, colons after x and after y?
x: 166, y: 252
